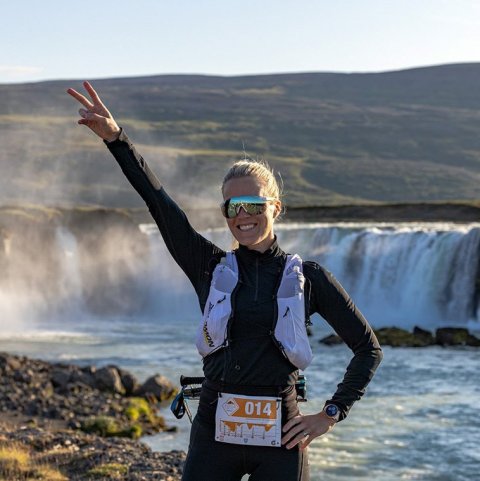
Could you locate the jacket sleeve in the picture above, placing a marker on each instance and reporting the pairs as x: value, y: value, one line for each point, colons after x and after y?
x: 191, y: 251
x: 329, y: 299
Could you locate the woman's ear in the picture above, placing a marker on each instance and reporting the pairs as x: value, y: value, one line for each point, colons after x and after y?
x: 278, y: 209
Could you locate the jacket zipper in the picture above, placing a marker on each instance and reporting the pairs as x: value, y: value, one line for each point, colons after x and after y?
x: 226, y: 351
x: 256, y: 280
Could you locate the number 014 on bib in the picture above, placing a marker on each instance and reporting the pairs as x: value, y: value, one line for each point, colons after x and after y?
x: 252, y: 420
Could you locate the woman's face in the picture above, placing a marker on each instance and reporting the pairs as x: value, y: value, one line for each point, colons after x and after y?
x: 252, y: 231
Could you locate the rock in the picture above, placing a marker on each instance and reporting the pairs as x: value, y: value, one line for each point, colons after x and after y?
x: 424, y: 336
x: 455, y: 336
x: 9, y: 363
x: 23, y: 376
x: 331, y: 340
x: 108, y: 379
x: 396, y: 337
x: 157, y: 386
x: 69, y: 394
x: 81, y: 377
x: 60, y: 378
x: 129, y: 382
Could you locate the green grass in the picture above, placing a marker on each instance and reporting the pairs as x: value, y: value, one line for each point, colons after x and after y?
x: 397, y: 137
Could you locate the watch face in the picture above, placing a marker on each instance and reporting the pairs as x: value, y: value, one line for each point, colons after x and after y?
x: 331, y: 410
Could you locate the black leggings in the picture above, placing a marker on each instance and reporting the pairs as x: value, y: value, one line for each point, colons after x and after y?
x: 210, y: 460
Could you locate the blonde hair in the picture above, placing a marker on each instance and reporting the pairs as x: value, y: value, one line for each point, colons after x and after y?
x: 255, y: 168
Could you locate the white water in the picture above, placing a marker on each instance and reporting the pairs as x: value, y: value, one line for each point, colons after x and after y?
x: 398, y: 274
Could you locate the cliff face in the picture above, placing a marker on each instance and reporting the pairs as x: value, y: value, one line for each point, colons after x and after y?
x: 43, y: 250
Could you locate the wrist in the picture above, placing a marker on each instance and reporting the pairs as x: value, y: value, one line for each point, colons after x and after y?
x: 331, y: 412
x: 114, y: 136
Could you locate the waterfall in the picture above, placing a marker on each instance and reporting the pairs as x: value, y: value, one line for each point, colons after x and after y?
x: 70, y: 292
x: 408, y: 274
x: 398, y: 274
x: 424, y: 274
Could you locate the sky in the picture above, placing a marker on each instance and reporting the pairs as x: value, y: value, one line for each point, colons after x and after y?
x: 59, y: 39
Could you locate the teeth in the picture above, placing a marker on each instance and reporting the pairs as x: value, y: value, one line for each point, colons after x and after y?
x: 246, y: 227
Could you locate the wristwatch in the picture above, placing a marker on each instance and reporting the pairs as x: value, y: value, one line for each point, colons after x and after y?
x: 332, y: 411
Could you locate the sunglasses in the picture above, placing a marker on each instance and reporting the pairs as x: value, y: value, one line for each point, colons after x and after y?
x: 251, y: 204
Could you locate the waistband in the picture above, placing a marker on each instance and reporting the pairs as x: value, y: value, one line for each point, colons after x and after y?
x: 209, y: 396
x: 281, y: 391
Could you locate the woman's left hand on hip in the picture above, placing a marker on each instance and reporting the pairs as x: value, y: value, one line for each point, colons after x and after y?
x: 303, y: 429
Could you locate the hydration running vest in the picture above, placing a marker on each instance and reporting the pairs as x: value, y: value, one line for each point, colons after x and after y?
x: 290, y: 332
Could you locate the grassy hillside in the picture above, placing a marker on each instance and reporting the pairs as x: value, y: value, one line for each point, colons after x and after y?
x: 401, y: 136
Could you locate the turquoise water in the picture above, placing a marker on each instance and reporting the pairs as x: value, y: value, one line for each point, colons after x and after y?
x: 420, y: 418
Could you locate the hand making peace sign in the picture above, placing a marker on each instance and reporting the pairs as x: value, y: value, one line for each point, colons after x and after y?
x: 95, y: 115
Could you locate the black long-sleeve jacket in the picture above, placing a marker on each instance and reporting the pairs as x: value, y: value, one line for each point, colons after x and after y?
x: 252, y: 358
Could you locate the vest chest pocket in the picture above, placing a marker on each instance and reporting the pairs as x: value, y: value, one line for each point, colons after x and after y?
x: 211, y: 333
x: 290, y: 330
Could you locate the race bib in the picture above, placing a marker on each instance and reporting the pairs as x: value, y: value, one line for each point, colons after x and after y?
x: 248, y: 420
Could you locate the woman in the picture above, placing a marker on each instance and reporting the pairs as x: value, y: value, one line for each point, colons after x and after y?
x: 256, y: 302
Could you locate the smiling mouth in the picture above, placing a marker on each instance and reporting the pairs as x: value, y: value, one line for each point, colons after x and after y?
x: 246, y: 227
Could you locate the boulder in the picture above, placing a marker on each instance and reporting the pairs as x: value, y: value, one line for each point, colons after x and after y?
x: 158, y: 387
x: 80, y: 376
x: 60, y: 378
x: 9, y: 363
x: 108, y: 379
x: 396, y: 337
x: 129, y: 382
x: 455, y: 336
x: 424, y: 336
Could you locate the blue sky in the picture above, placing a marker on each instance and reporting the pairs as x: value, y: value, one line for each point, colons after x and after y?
x: 60, y: 39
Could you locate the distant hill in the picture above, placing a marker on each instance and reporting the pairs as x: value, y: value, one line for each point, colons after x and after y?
x: 411, y: 135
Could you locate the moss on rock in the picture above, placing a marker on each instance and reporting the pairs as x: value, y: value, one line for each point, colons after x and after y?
x: 108, y: 471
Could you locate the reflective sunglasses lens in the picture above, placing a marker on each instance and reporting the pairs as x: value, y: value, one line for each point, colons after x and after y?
x: 253, y: 205
x: 252, y: 209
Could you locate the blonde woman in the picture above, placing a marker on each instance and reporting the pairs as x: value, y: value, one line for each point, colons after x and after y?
x: 256, y: 302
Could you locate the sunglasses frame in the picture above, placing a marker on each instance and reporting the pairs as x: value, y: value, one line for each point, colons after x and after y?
x: 243, y: 201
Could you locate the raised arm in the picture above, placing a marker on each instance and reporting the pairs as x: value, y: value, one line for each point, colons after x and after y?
x: 192, y: 252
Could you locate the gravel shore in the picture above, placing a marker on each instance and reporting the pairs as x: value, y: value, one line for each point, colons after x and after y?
x: 81, y: 422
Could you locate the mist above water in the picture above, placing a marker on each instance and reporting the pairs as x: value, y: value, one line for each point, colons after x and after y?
x: 103, y: 266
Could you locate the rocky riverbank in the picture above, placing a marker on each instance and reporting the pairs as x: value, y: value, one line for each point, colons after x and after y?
x: 81, y: 422
x: 28, y: 453
x: 396, y: 337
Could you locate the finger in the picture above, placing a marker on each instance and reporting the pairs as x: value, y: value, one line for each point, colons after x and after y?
x: 295, y: 431
x: 92, y: 92
x: 306, y: 442
x: 81, y: 98
x: 90, y: 115
x: 291, y: 423
x: 299, y: 439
